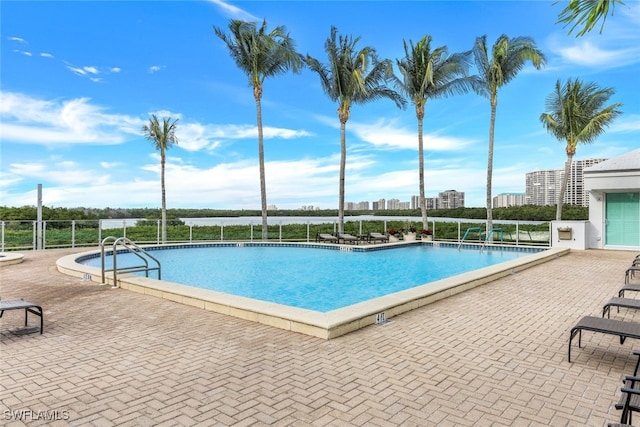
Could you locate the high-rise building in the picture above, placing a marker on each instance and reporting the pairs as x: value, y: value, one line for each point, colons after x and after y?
x: 543, y: 187
x: 450, y: 199
x: 504, y: 200
x: 576, y: 194
x: 393, y: 204
x: 381, y: 205
x: 415, y: 202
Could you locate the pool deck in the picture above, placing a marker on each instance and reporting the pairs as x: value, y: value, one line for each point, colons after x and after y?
x: 494, y: 355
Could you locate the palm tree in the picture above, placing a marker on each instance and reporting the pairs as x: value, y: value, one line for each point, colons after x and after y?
x: 352, y: 77
x: 428, y: 74
x: 576, y: 114
x: 163, y: 136
x: 261, y: 54
x: 508, y: 58
x: 586, y: 13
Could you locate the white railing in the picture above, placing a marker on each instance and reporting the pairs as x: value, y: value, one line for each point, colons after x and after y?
x: 23, y: 234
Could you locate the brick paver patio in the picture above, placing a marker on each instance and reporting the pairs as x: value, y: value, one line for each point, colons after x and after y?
x: 493, y: 356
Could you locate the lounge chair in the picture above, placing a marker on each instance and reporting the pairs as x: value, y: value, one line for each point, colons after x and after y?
x: 344, y: 238
x: 18, y: 304
x: 631, y: 272
x: 629, y: 401
x: 621, y: 328
x: 620, y: 302
x: 325, y: 237
x: 375, y: 237
x: 631, y: 287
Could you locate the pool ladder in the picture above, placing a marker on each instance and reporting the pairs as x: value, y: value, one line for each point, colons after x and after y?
x: 479, y: 230
x: 126, y: 246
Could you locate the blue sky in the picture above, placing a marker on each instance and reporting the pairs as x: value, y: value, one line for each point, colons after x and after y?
x: 80, y: 79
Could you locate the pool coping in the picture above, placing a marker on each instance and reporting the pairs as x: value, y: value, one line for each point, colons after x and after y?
x: 331, y: 324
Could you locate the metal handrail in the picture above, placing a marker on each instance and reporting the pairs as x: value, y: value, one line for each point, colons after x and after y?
x: 489, y: 234
x: 466, y: 233
x: 132, y: 248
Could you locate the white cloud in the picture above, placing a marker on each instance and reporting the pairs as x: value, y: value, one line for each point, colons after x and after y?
x: 625, y: 123
x: 77, y: 121
x: 46, y: 55
x: 17, y: 39
x: 155, y: 68
x: 591, y: 55
x: 385, y: 133
x: 234, y: 12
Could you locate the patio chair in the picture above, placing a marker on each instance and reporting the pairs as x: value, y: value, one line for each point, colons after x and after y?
x: 325, y: 237
x: 630, y: 273
x: 629, y: 401
x: 345, y: 237
x: 620, y: 302
x: 622, y: 329
x: 375, y: 237
x: 631, y: 287
x: 18, y: 304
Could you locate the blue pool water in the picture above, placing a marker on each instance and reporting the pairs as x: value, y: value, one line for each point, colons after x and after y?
x: 313, y: 278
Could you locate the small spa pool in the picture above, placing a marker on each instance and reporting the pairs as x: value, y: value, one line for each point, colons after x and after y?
x: 323, y: 290
x: 314, y: 278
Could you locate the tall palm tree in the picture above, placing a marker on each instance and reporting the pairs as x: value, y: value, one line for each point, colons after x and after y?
x: 586, y: 13
x: 352, y: 77
x: 428, y: 74
x: 576, y: 114
x: 260, y: 54
x: 163, y: 136
x: 508, y: 58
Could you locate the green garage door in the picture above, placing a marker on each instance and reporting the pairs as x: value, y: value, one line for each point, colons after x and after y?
x: 623, y: 219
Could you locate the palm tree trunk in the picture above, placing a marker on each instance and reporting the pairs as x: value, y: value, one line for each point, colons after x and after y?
x: 343, y: 164
x: 163, y: 221
x: 563, y: 187
x: 490, y: 166
x: 263, y: 180
x: 421, y: 199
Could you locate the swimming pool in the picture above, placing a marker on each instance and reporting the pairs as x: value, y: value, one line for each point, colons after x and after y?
x: 314, y: 277
x: 334, y: 322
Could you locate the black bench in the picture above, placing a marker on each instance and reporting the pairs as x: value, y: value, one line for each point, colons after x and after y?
x: 18, y: 304
x: 621, y: 328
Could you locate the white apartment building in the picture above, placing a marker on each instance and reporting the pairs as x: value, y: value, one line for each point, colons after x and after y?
x: 543, y: 187
x: 504, y: 200
x: 451, y: 199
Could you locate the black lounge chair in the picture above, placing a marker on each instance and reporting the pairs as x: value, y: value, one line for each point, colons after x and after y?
x: 631, y: 287
x: 344, y: 238
x: 631, y: 272
x: 375, y: 237
x: 18, y: 304
x: 325, y: 237
x: 620, y: 302
x: 629, y: 401
x: 620, y: 328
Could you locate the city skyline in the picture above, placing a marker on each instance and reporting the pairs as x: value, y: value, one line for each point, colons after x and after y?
x: 75, y: 95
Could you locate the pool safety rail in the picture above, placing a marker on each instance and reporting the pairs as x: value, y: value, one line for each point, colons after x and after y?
x: 126, y: 246
x: 490, y: 234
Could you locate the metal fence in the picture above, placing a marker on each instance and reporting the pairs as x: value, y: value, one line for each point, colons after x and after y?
x: 35, y: 235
